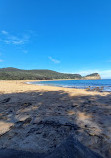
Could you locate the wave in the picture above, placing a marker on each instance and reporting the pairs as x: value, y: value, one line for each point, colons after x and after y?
x: 104, y: 85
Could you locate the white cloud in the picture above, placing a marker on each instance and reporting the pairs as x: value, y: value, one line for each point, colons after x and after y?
x: 105, y: 74
x: 1, y: 60
x: 25, y: 51
x: 8, y: 38
x: 4, y: 32
x: 54, y: 60
x: 17, y: 42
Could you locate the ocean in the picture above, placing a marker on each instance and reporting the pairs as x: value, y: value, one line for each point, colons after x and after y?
x: 105, y: 84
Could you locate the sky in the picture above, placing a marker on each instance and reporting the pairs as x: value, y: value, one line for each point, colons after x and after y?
x: 72, y: 36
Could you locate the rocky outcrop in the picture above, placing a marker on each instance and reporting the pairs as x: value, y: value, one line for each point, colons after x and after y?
x: 39, y: 122
x: 94, y: 76
x: 70, y: 148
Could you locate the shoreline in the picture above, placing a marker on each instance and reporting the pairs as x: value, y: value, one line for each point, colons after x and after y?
x: 21, y: 86
x: 87, y: 88
x: 30, y: 115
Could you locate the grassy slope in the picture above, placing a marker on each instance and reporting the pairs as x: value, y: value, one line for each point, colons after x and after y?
x: 17, y: 74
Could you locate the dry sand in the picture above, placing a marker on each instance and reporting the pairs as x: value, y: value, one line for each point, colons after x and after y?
x: 38, y: 118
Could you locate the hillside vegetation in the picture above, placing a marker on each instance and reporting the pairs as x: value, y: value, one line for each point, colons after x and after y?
x: 18, y: 74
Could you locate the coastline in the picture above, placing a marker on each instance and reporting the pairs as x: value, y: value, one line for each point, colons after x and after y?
x: 30, y: 114
x: 10, y: 86
x: 89, y: 86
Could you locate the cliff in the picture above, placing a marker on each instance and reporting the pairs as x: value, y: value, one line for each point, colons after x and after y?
x: 94, y: 76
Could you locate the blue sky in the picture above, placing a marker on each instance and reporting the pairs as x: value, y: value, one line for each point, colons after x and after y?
x: 67, y: 36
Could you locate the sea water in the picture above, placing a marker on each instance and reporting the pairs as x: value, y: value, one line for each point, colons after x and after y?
x: 105, y: 84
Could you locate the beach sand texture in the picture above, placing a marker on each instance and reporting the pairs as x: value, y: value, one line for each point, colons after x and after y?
x: 37, y: 118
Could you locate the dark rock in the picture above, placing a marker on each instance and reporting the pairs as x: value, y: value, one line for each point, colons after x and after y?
x: 18, y: 124
x: 28, y: 120
x: 58, y: 124
x: 10, y: 153
x: 72, y: 148
x: 32, y: 130
x: 5, y: 100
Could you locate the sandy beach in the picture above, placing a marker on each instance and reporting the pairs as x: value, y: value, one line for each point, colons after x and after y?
x: 38, y: 118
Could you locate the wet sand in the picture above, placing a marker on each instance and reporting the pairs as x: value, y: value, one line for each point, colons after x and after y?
x: 37, y: 118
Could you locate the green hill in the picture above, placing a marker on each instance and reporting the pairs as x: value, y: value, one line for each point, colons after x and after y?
x: 18, y: 74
